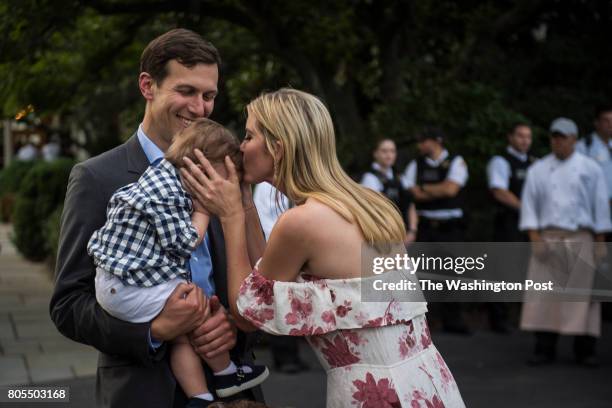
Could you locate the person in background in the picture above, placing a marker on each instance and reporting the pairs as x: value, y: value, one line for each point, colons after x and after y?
x: 506, y: 174
x: 564, y: 203
x: 27, y: 152
x: 436, y: 180
x: 270, y: 204
x: 598, y: 144
x: 383, y: 178
x: 51, y: 150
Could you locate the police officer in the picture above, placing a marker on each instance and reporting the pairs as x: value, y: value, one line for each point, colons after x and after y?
x: 383, y: 178
x: 436, y: 180
x: 506, y: 174
x: 565, y: 200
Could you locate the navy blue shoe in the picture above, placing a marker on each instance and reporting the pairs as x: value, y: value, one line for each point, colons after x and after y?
x: 227, y: 385
x: 198, y: 403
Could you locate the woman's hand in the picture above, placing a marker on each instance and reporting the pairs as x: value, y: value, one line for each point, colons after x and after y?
x: 219, y: 196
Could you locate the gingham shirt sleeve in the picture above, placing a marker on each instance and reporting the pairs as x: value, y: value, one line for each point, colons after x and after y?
x: 171, y: 218
x: 168, y: 210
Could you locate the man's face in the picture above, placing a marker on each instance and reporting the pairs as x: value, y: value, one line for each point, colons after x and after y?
x: 603, y: 125
x: 184, y: 95
x: 386, y: 153
x: 521, y: 139
x: 562, y: 146
x: 426, y: 147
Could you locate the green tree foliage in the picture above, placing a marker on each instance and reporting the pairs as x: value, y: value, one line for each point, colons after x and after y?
x: 383, y: 67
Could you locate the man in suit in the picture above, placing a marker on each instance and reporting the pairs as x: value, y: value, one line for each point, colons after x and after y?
x: 178, y: 80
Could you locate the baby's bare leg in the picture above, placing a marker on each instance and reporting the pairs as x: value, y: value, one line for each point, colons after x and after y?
x: 218, y: 363
x: 187, y: 367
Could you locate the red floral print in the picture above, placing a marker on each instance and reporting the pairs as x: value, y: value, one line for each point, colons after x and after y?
x: 299, y: 310
x: 342, y: 310
x: 447, y: 377
x: 263, y: 289
x: 418, y: 396
x: 258, y: 316
x: 332, y: 294
x: 306, y: 330
x: 425, y: 336
x: 337, y: 352
x: 376, y: 395
x: 353, y: 337
x: 407, y: 342
x: 328, y: 317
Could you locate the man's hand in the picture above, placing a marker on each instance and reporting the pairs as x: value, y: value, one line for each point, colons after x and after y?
x: 216, y: 335
x: 186, y: 309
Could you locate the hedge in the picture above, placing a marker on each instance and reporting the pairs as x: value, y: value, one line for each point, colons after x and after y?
x: 40, y: 194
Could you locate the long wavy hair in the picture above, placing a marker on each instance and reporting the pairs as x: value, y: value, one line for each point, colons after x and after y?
x: 309, y: 168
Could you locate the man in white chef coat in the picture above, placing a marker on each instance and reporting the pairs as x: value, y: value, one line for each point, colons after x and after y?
x: 564, y: 202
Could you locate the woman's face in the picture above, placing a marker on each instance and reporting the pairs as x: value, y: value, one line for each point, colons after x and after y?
x: 258, y: 163
x: 385, y: 154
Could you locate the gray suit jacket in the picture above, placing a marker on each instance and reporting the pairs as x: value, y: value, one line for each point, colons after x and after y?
x: 129, y: 374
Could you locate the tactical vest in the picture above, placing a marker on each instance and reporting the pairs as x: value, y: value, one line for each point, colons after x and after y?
x: 427, y: 174
x: 518, y: 172
x: 507, y: 218
x: 393, y: 190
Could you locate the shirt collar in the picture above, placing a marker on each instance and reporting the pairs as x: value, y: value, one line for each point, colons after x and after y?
x: 521, y: 156
x: 437, y: 161
x: 151, y: 150
x: 388, y: 172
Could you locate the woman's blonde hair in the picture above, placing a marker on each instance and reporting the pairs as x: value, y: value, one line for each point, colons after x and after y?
x: 309, y: 168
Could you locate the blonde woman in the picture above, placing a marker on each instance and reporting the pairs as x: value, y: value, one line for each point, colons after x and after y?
x: 308, y: 281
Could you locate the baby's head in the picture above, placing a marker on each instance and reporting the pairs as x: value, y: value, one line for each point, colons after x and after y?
x: 214, y: 140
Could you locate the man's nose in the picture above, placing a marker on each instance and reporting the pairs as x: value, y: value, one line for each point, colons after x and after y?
x: 197, y: 107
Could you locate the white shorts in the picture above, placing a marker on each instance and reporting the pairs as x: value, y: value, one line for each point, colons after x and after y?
x: 132, y: 303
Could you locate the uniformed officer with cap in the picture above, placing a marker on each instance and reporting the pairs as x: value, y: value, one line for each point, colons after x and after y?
x: 436, y: 180
x: 564, y: 204
x: 506, y: 174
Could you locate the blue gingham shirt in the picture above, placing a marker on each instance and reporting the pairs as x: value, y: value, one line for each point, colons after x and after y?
x: 148, y: 237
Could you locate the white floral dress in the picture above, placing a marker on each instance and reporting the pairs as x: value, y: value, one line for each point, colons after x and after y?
x: 376, y: 354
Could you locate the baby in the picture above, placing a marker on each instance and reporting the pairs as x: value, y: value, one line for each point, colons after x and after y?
x: 142, y: 254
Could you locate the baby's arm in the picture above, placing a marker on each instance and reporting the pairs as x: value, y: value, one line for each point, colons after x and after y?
x: 199, y: 220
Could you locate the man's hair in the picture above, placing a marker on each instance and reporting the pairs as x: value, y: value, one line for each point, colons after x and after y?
x: 518, y: 124
x: 601, y: 109
x: 185, y: 46
x: 214, y: 140
x: 432, y: 133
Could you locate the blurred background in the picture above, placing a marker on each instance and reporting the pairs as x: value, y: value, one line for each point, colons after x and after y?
x: 384, y: 68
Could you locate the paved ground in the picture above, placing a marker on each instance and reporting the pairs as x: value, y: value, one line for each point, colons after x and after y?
x: 31, y: 349
x: 489, y: 368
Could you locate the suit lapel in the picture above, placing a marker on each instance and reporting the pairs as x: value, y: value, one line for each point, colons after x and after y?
x: 137, y: 161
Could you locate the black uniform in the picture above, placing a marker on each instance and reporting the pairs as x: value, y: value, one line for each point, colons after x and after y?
x: 434, y: 230
x: 442, y: 230
x: 507, y: 218
x: 394, y: 191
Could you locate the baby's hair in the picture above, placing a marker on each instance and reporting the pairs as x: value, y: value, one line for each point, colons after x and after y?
x: 214, y: 140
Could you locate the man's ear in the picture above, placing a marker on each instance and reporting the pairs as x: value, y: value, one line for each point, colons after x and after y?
x: 146, y: 83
